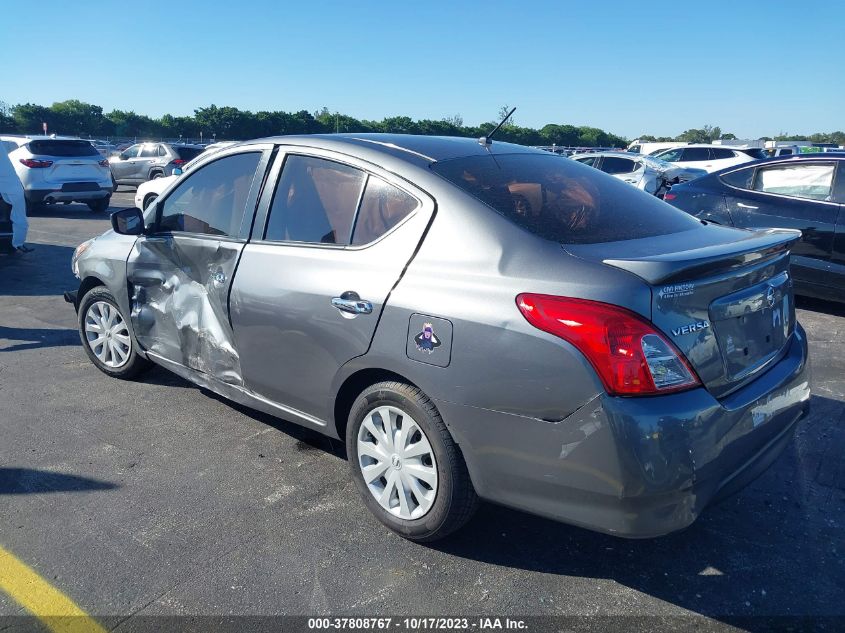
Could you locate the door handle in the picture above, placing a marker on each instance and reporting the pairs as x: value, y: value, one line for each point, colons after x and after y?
x: 351, y: 303
x: 745, y: 206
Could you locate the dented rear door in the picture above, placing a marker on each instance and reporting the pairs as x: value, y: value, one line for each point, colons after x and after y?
x: 180, y: 273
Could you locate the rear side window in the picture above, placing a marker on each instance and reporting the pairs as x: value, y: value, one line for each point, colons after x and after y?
x: 188, y: 153
x: 149, y: 151
x: 799, y: 181
x: 695, y: 154
x: 211, y: 200
x: 616, y: 165
x: 740, y: 178
x: 719, y: 153
x: 755, y: 152
x: 563, y: 201
x: 785, y: 152
x: 60, y: 147
x: 382, y: 207
x: 315, y: 201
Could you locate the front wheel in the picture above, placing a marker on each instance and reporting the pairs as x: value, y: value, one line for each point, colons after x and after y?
x: 106, y: 337
x: 408, y: 469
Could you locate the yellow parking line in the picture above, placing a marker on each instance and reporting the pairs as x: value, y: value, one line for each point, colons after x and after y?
x: 55, y: 610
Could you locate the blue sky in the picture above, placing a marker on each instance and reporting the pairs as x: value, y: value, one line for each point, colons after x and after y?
x: 648, y: 66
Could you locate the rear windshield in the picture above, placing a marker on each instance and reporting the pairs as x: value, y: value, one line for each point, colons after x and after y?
x: 562, y: 200
x: 188, y: 153
x: 59, y: 147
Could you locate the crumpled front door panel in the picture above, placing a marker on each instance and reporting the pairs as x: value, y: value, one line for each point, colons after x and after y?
x: 179, y: 294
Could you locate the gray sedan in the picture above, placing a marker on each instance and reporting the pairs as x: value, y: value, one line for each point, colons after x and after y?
x: 477, y: 320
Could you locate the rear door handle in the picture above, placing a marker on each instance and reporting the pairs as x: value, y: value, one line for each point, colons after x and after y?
x: 351, y: 303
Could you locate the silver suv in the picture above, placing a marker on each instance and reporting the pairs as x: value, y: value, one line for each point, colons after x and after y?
x: 146, y: 161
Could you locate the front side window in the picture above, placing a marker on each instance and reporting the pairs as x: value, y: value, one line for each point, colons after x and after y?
x: 315, y: 201
x: 671, y: 156
x: 212, y: 199
x: 562, y: 201
x: 691, y: 154
x: 720, y: 153
x: 382, y: 207
x: 616, y: 165
x: 799, y: 181
x: 131, y: 152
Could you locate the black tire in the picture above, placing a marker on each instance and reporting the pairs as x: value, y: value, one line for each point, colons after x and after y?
x: 114, y: 185
x: 455, y: 501
x: 135, y: 364
x: 31, y: 206
x: 156, y: 175
x: 99, y: 205
x: 149, y: 199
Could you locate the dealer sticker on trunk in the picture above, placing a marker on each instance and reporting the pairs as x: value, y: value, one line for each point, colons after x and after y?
x: 676, y: 290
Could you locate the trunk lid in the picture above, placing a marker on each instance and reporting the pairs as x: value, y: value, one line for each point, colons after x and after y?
x: 723, y: 296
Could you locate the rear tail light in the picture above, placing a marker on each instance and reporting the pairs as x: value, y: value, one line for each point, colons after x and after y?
x: 670, y: 196
x: 630, y: 356
x: 178, y: 162
x: 33, y: 163
x: 104, y: 162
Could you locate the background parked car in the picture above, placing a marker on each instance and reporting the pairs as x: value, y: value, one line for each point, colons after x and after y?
x: 650, y: 174
x: 145, y: 161
x: 710, y: 157
x: 805, y: 192
x: 60, y: 170
x: 150, y: 190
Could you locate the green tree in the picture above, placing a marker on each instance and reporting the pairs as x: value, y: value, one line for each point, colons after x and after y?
x: 74, y: 117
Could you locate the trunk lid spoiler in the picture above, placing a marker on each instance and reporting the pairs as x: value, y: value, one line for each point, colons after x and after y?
x: 703, y: 252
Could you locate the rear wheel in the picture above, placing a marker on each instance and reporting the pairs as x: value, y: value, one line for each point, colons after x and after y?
x: 106, y: 337
x: 99, y: 205
x: 156, y: 175
x: 408, y: 469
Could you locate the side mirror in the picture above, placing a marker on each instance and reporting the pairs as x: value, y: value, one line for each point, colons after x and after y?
x: 128, y: 221
x: 177, y: 171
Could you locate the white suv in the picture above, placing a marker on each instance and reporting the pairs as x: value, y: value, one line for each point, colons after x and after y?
x: 60, y: 170
x: 710, y: 157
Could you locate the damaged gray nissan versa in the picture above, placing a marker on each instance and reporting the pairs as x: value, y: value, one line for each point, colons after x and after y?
x: 478, y: 320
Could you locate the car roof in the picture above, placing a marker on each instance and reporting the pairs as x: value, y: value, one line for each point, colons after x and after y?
x: 416, y: 149
x: 629, y: 155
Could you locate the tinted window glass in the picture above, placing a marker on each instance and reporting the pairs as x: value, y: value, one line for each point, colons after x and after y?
x: 58, y: 147
x: 188, y: 153
x: 695, y: 153
x: 740, y: 178
x: 561, y: 200
x: 799, y: 181
x: 719, y: 152
x: 211, y: 200
x: 149, y: 151
x: 382, y: 207
x: 131, y: 152
x: 591, y: 161
x: 785, y: 152
x: 672, y: 155
x: 616, y: 165
x: 754, y: 152
x: 315, y: 201
x: 161, y: 151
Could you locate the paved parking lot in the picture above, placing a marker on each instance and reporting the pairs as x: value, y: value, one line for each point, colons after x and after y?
x: 156, y: 497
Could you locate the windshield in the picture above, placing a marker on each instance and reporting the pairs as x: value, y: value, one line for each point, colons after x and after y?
x: 563, y: 200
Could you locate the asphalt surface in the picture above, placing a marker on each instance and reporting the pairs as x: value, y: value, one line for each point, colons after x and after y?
x: 156, y: 497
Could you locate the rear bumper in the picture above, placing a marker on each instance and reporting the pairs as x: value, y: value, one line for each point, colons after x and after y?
x: 66, y: 193
x: 635, y: 467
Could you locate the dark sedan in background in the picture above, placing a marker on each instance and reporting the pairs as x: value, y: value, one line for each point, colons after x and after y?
x: 804, y: 192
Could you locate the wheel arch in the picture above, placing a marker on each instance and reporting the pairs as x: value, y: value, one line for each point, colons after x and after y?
x: 352, y: 386
x: 90, y: 281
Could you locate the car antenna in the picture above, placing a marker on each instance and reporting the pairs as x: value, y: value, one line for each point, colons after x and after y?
x: 488, y: 140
